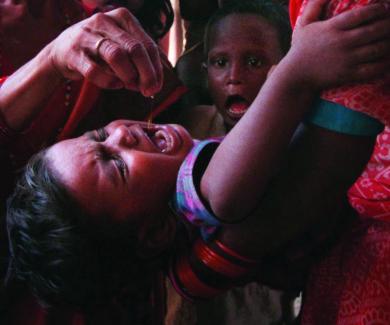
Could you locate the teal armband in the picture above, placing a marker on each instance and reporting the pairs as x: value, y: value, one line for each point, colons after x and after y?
x: 338, y: 118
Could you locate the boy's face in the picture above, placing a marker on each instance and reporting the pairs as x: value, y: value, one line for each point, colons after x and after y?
x: 126, y: 170
x: 242, y: 49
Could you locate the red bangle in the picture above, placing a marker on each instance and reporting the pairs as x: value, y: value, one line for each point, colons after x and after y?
x: 192, y: 284
x: 218, y: 263
x: 230, y: 252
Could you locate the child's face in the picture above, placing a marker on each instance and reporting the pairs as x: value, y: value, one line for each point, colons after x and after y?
x: 125, y: 170
x: 242, y: 49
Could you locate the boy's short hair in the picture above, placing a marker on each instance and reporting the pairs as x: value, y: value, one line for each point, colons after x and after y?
x: 56, y: 251
x: 156, y: 16
x: 271, y: 11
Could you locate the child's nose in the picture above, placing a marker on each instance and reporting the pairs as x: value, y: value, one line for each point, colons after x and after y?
x: 122, y: 136
x: 235, y: 74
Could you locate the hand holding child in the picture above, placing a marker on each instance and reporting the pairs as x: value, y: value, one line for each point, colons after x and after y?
x: 353, y: 46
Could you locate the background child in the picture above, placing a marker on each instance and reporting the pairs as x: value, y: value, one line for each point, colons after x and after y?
x: 261, y: 33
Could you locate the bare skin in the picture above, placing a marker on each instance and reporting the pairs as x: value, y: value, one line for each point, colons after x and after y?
x: 226, y: 193
x: 127, y: 58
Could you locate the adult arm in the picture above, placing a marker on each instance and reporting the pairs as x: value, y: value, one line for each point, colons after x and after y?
x: 126, y: 58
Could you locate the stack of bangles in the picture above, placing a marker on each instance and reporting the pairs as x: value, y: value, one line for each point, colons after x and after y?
x: 209, y: 269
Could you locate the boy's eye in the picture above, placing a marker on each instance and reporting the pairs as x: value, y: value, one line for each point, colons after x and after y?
x: 218, y: 62
x: 101, y: 135
x: 254, y: 62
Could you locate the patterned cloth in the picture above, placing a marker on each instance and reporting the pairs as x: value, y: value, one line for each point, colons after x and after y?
x: 373, y: 97
x: 186, y: 201
x: 351, y: 286
x: 370, y: 195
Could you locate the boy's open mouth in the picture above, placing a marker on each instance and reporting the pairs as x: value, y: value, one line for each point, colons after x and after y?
x: 236, y: 106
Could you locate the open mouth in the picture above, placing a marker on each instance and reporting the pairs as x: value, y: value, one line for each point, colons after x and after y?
x: 236, y: 106
x: 163, y: 139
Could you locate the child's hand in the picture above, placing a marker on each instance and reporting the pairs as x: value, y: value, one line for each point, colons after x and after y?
x: 353, y: 46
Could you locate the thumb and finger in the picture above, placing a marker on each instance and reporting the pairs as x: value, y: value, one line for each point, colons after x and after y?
x: 362, y: 15
x: 142, y: 51
x: 311, y: 13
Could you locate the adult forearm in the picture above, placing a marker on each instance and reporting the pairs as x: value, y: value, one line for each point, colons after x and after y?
x: 24, y: 93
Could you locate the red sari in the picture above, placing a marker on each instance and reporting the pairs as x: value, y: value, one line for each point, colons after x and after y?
x: 351, y: 285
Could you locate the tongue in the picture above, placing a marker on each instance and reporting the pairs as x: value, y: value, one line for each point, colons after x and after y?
x: 160, y: 142
x: 238, y: 108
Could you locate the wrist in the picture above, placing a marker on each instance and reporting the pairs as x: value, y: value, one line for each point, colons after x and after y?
x: 294, y: 72
x: 49, y: 63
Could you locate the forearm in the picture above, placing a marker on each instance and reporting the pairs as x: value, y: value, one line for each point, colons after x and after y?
x: 308, y: 194
x: 24, y: 93
x: 250, y: 154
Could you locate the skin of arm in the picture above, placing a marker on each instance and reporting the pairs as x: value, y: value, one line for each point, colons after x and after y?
x: 308, y: 194
x: 284, y: 189
x: 127, y: 58
x: 240, y: 165
x: 251, y: 153
x: 23, y: 94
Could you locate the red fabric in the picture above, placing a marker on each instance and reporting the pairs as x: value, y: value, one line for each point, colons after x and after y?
x: 351, y: 286
x: 370, y: 195
x: 372, y: 98
x: 295, y: 9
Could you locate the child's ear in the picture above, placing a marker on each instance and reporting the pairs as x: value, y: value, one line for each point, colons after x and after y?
x: 153, y: 239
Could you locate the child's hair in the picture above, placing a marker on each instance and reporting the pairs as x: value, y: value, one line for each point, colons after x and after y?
x: 273, y: 12
x: 156, y: 16
x: 63, y: 258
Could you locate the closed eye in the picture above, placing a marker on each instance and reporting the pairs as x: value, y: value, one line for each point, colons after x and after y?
x: 101, y: 135
x: 120, y: 165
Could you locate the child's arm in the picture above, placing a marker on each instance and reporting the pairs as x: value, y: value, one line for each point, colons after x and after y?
x: 307, y: 195
x: 235, y: 180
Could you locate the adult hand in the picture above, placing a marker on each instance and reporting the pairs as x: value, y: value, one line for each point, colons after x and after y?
x: 351, y: 47
x: 110, y: 50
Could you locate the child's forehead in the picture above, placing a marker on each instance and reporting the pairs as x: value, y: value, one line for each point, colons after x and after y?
x: 243, y: 29
x: 240, y: 22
